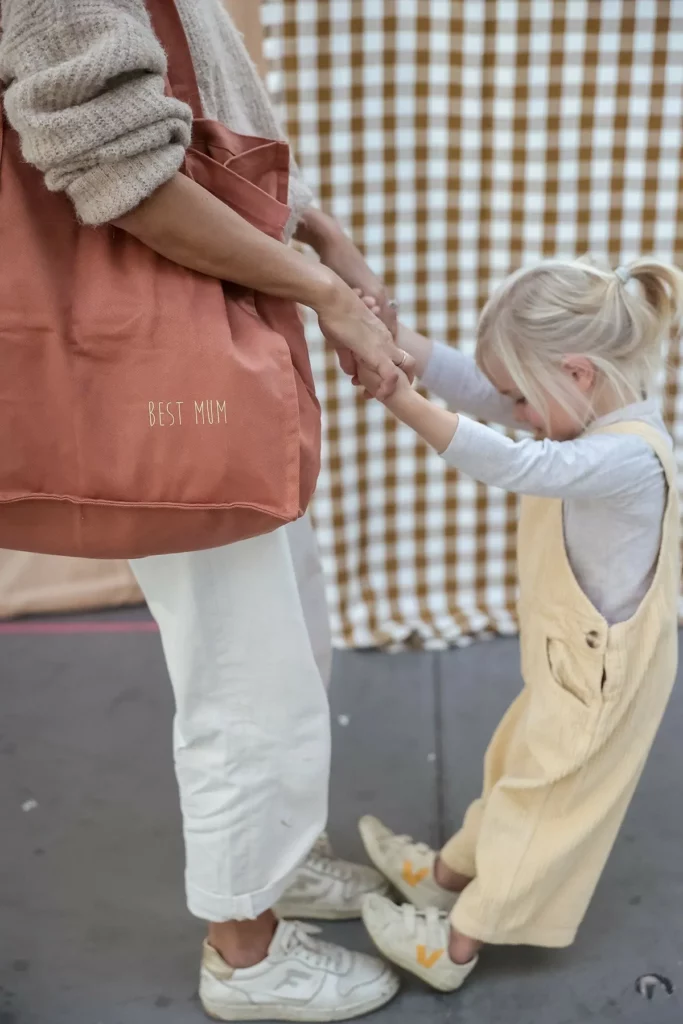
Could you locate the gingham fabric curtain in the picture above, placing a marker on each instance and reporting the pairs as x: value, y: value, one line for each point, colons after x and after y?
x: 456, y: 141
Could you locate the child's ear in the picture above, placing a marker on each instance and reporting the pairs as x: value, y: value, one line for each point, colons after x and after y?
x: 581, y: 370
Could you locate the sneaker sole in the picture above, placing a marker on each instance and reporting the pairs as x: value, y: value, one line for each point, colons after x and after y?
x: 302, y: 1013
x: 409, y: 965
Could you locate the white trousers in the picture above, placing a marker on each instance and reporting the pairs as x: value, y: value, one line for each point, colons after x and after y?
x: 252, y: 732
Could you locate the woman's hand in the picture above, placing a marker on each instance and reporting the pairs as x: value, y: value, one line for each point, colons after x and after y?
x: 336, y: 251
x: 416, y: 345
x: 352, y: 328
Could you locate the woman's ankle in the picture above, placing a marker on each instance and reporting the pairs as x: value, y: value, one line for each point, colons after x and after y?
x: 447, y: 879
x: 243, y: 943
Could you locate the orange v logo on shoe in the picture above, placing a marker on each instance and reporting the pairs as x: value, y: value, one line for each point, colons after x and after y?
x: 411, y: 876
x: 426, y: 959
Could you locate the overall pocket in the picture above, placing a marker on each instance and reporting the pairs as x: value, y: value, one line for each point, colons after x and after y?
x: 579, y: 672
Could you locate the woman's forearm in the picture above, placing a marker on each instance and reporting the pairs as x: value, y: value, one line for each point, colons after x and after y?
x: 188, y: 225
x: 336, y: 250
x: 316, y: 228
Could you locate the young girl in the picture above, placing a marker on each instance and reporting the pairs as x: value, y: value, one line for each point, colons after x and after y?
x: 567, y: 350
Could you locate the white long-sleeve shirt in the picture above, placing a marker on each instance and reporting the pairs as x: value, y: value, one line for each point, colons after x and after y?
x: 612, y: 486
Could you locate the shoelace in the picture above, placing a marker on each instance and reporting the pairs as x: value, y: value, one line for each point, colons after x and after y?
x: 322, y: 857
x: 334, y: 868
x: 312, y: 949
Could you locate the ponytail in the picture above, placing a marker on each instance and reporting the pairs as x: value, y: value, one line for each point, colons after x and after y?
x: 662, y: 290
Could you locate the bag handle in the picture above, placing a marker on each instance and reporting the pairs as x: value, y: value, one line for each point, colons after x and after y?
x: 169, y: 30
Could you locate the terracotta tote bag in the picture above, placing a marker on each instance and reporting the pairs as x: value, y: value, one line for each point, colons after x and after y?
x: 145, y: 408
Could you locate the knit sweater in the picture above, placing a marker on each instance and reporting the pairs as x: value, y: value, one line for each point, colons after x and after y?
x: 85, y: 91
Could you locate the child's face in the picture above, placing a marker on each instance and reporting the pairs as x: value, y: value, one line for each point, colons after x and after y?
x: 561, y: 425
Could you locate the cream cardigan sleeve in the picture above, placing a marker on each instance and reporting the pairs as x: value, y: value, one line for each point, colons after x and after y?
x: 84, y: 84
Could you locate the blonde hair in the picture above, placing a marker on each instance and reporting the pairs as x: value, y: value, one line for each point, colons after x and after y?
x: 561, y: 308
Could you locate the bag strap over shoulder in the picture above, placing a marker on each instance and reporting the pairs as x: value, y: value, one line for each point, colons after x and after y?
x: 169, y: 30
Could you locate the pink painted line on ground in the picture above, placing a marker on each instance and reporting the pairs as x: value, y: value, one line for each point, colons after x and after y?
x: 65, y: 628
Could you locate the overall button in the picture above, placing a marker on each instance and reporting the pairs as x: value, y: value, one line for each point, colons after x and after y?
x: 593, y: 639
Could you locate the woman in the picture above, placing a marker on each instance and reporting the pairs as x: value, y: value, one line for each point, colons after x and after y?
x: 85, y: 91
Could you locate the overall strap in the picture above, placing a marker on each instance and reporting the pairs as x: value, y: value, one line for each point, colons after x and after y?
x: 169, y: 30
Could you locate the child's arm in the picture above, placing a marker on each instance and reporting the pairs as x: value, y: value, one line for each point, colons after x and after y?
x: 597, y: 466
x: 452, y: 375
x: 456, y: 378
x: 437, y: 426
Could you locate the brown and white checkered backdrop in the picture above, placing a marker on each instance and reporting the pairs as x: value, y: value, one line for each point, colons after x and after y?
x: 457, y: 140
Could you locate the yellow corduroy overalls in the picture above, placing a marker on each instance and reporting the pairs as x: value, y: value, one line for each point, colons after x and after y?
x: 565, y: 760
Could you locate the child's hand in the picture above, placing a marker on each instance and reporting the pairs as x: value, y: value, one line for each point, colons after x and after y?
x: 370, y: 381
x: 367, y: 379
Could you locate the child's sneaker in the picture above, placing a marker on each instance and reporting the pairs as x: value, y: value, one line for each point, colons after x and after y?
x: 416, y: 940
x: 408, y: 865
x: 301, y: 979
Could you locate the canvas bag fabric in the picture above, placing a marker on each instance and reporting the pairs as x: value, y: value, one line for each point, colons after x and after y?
x: 145, y: 408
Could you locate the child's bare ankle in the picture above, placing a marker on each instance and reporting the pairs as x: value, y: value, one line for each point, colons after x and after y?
x: 447, y: 879
x: 462, y: 949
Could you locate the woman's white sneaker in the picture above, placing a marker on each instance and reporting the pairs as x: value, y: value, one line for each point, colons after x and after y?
x: 329, y: 889
x: 301, y: 979
x: 416, y: 940
x: 408, y: 865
